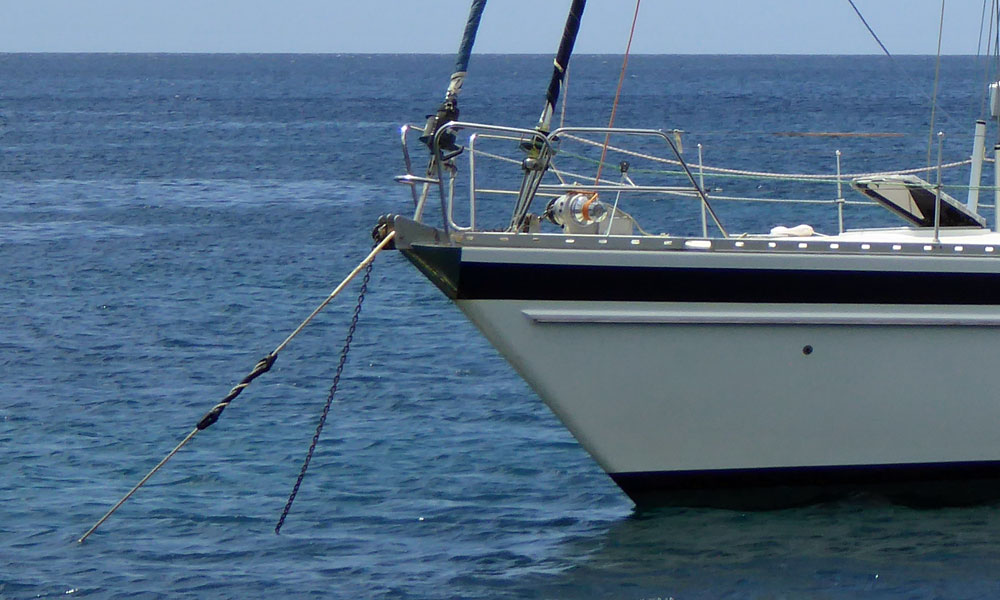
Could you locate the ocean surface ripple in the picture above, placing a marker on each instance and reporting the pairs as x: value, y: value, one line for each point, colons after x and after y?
x: 165, y: 221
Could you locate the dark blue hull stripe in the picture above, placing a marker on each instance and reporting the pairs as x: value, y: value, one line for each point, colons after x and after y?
x: 515, y: 281
x: 480, y: 281
x: 924, y: 484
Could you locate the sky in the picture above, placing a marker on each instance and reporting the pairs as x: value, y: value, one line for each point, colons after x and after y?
x: 509, y: 26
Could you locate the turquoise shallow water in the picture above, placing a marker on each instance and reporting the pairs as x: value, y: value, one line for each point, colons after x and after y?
x: 165, y: 221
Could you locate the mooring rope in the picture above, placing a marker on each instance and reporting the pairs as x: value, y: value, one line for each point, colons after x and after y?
x: 329, y: 399
x: 259, y: 369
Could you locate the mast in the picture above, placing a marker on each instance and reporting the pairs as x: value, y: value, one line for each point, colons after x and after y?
x: 538, y: 155
x: 448, y: 110
x: 561, y: 63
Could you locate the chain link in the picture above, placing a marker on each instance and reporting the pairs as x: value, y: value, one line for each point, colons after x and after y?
x: 329, y: 399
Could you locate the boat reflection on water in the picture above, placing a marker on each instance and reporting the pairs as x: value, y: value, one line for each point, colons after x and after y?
x: 862, y: 545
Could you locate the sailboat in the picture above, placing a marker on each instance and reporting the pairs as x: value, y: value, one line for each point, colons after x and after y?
x: 753, y: 370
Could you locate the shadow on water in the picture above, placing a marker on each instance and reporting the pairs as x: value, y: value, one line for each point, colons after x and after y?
x: 861, y: 547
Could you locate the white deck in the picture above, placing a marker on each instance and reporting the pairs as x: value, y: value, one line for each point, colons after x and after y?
x: 903, y: 235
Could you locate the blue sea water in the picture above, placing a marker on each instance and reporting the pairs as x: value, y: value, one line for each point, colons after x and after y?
x: 166, y: 220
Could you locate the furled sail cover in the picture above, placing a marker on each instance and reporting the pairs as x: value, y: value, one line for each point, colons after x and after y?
x: 913, y: 199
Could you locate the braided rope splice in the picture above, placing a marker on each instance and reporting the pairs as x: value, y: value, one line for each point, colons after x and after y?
x: 262, y: 366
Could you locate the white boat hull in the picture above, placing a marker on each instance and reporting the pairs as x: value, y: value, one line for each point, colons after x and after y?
x: 753, y: 404
x: 641, y: 394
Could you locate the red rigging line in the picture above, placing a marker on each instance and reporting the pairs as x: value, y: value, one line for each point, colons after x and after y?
x: 618, y: 93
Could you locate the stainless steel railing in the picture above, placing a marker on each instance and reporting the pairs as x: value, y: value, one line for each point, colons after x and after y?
x: 442, y: 173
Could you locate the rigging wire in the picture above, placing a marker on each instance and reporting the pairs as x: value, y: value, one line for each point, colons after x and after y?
x: 562, y: 112
x: 982, y: 21
x: 755, y: 174
x: 892, y: 59
x: 870, y: 30
x: 995, y: 12
x: 937, y: 78
x: 989, y: 52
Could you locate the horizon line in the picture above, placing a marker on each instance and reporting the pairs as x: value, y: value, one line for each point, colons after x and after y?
x: 449, y: 54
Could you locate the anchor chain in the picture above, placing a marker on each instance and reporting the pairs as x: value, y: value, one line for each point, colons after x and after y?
x: 384, y: 239
x: 329, y: 399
